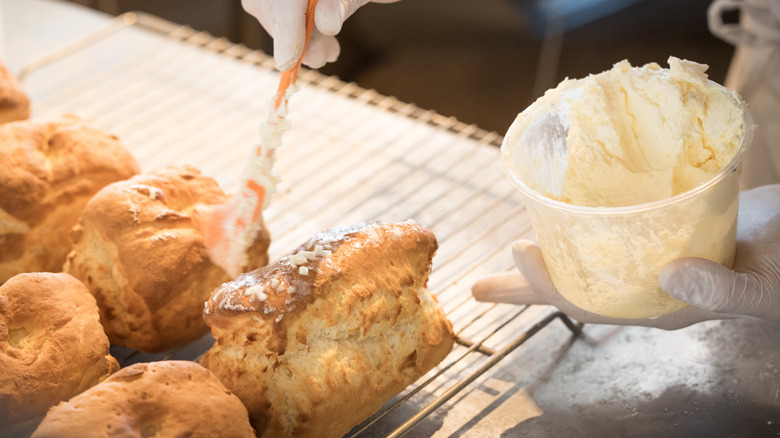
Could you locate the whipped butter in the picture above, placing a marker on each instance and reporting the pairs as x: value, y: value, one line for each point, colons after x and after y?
x: 634, y: 134
x: 624, y: 171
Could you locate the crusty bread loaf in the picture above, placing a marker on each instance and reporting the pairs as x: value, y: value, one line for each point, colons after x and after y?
x: 52, y: 345
x: 14, y: 103
x: 318, y: 341
x: 48, y: 171
x: 139, y: 252
x: 158, y: 399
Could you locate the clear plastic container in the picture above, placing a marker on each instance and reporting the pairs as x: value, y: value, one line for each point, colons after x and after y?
x: 606, y: 259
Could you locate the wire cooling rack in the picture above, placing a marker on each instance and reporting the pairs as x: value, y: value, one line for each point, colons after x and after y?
x: 177, y: 96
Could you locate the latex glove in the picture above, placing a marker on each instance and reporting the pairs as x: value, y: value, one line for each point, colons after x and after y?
x: 284, y: 20
x: 751, y: 289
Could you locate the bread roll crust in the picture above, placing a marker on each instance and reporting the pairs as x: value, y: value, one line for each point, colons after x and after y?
x: 52, y: 345
x: 317, y: 342
x: 14, y: 102
x: 139, y: 252
x: 163, y: 399
x: 48, y: 172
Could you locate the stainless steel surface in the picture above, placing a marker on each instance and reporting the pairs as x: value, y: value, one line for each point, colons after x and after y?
x: 176, y: 96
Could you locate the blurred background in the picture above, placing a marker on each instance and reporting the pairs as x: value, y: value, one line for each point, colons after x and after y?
x: 481, y: 61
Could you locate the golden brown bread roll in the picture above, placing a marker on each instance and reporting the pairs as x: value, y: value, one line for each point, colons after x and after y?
x: 158, y: 399
x: 48, y: 171
x: 52, y: 345
x: 14, y: 103
x: 318, y: 341
x: 139, y: 252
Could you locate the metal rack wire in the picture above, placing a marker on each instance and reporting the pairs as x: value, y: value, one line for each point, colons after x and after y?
x: 352, y: 155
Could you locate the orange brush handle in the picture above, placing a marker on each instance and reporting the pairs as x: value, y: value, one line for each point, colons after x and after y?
x: 289, y: 76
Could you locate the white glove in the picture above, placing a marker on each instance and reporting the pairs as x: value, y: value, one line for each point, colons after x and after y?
x: 285, y: 21
x: 751, y: 289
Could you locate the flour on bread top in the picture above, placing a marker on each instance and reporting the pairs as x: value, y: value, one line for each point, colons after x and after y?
x: 288, y: 283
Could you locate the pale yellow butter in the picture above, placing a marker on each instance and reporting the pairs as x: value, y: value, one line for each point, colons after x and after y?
x: 615, y: 149
x: 642, y: 134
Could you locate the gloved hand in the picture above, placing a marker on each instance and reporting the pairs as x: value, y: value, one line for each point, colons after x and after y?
x: 284, y: 20
x: 751, y: 289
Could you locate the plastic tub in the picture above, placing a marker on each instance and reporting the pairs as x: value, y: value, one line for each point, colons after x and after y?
x: 606, y: 259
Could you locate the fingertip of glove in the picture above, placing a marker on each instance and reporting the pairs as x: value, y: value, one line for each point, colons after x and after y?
x: 677, y: 277
x: 509, y: 287
x: 322, y: 50
x: 522, y: 246
x: 329, y: 17
x: 525, y: 252
x: 286, y: 53
x: 694, y: 281
x: 684, y: 269
x: 671, y: 271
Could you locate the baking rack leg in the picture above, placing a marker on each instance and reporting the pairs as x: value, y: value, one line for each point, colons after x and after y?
x: 575, y: 328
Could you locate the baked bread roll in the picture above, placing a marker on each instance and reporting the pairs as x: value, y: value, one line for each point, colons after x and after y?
x: 158, y: 399
x: 48, y: 171
x: 52, y: 345
x: 14, y: 103
x: 139, y: 252
x: 317, y: 342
